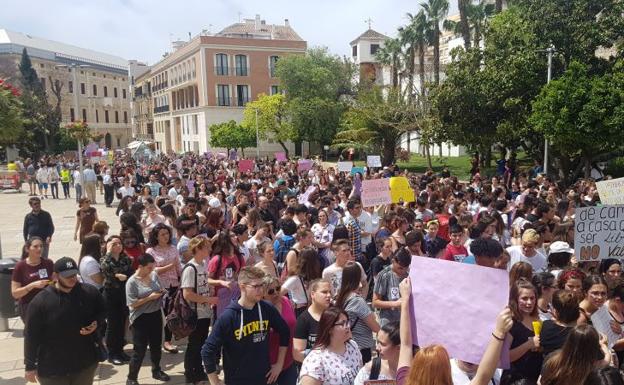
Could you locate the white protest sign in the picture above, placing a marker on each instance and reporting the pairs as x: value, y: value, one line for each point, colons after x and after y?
x: 373, y: 161
x: 344, y: 166
x: 599, y: 233
x: 303, y: 198
x: 611, y: 191
x: 601, y: 320
x: 375, y: 192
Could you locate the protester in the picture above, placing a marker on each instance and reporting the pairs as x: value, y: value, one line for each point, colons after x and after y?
x: 306, y: 330
x: 384, y: 366
x: 86, y: 216
x: 527, y: 252
x: 296, y: 285
x: 89, y: 261
x: 386, y: 292
x: 333, y: 272
x: 565, y: 313
x: 60, y: 331
x: 38, y: 223
x: 595, y: 289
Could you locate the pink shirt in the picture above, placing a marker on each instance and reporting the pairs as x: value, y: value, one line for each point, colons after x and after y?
x: 288, y: 314
x: 164, y: 257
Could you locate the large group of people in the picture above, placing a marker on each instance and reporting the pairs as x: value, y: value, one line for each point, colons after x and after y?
x: 261, y: 279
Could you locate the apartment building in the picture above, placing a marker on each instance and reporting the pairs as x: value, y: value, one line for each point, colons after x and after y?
x: 142, y: 106
x: 211, y: 78
x: 97, y: 92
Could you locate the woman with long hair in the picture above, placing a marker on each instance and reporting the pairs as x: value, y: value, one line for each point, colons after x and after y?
x: 261, y: 235
x: 583, y: 351
x: 89, y: 261
x: 267, y: 262
x: 544, y: 283
x: 124, y: 205
x: 385, y: 364
x: 306, y: 330
x: 520, y: 270
x: 363, y: 319
x: 152, y: 219
x: 273, y: 295
x: 431, y: 365
x: 610, y: 268
x: 129, y: 221
x: 335, y: 358
x: 296, y: 285
x: 323, y: 234
x: 132, y: 247
x: 398, y: 236
x: 524, y: 354
x: 30, y: 275
x: 167, y: 267
x: 304, y: 238
x: 116, y: 269
x: 86, y: 216
x: 595, y: 289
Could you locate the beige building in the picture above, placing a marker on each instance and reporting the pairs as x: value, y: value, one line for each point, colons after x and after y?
x: 100, y: 83
x: 142, y: 106
x: 210, y: 79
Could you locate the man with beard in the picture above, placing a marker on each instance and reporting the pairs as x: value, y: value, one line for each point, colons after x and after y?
x: 60, y: 331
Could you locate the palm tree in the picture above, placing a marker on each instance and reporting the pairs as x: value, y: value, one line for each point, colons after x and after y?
x: 436, y: 11
x: 499, y: 6
x: 390, y: 54
x: 463, y: 26
x: 478, y: 16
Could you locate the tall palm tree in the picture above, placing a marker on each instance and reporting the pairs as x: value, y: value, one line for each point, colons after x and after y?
x: 463, y: 26
x: 390, y: 54
x: 478, y: 17
x: 436, y: 11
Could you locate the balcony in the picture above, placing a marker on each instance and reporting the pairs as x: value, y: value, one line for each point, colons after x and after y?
x: 161, y: 86
x: 231, y: 71
x: 161, y: 109
x: 233, y: 102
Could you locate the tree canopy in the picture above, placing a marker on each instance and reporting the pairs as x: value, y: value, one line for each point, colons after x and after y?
x: 232, y: 135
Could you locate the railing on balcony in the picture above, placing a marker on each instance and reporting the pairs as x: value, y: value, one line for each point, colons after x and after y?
x: 233, y: 102
x: 158, y: 110
x: 231, y: 71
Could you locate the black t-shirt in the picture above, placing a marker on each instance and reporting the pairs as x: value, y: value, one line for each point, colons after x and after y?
x: 378, y: 264
x: 553, y: 336
x: 529, y: 365
x: 306, y: 329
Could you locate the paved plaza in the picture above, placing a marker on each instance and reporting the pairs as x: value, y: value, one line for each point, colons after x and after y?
x: 13, y: 208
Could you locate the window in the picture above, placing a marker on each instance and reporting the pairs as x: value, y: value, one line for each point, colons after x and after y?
x: 118, y: 142
x: 106, y: 116
x: 123, y: 93
x: 41, y: 65
x: 71, y: 114
x: 374, y: 48
x: 115, y: 91
x: 221, y: 64
x: 116, y: 116
x: 94, y: 90
x: 125, y: 116
x: 223, y: 95
x: 272, y: 63
x: 195, y: 125
x: 354, y: 50
x: 43, y: 83
x: 84, y: 114
x: 241, y: 65
x: 82, y: 88
x: 105, y: 91
x: 71, y: 87
x: 274, y: 90
x: 97, y: 116
x: 242, y: 93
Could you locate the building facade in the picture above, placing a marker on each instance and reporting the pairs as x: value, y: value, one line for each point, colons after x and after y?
x: 210, y: 79
x: 142, y: 107
x: 92, y: 86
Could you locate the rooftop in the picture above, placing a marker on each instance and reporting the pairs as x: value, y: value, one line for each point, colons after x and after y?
x: 370, y: 34
x: 49, y: 49
x: 259, y: 29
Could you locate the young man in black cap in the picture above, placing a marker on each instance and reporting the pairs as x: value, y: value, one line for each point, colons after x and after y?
x: 60, y: 331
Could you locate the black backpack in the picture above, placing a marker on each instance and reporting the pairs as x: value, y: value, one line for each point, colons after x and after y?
x: 181, y: 318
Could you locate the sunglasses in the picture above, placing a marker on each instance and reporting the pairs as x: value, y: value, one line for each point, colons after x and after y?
x: 273, y: 291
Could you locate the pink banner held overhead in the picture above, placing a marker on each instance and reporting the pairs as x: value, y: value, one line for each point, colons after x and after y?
x: 304, y: 165
x: 245, y: 165
x: 280, y: 156
x: 375, y: 192
x: 455, y: 305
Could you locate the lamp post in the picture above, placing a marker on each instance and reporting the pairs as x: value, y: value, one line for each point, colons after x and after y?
x: 325, y: 148
x: 257, y: 137
x: 550, y: 50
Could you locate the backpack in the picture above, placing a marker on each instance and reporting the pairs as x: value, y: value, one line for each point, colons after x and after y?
x: 283, y: 248
x: 283, y: 275
x: 181, y: 318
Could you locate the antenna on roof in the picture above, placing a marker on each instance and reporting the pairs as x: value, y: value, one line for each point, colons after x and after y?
x: 369, y: 21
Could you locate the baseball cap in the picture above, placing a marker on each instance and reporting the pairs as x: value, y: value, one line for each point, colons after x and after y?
x: 65, y: 267
x: 560, y: 247
x: 214, y: 203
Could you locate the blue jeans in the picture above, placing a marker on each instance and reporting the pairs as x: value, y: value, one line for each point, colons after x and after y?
x: 78, y: 192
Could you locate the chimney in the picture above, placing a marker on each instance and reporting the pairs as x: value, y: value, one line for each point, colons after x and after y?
x: 286, y: 23
x: 257, y: 22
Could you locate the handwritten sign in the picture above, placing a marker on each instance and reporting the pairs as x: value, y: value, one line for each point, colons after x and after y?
x: 304, y: 165
x: 601, y: 320
x: 611, y: 191
x: 245, y: 165
x: 436, y: 306
x: 344, y: 166
x: 303, y: 198
x: 599, y: 232
x: 373, y: 161
x: 400, y: 190
x: 375, y: 192
x: 280, y: 156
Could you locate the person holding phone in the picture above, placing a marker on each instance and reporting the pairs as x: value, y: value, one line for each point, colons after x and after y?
x: 143, y: 296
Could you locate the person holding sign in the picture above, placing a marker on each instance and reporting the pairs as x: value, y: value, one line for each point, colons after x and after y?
x: 432, y: 364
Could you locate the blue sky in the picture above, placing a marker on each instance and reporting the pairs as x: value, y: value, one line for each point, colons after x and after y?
x: 142, y: 29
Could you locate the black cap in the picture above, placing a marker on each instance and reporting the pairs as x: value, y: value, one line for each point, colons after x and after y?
x: 65, y: 267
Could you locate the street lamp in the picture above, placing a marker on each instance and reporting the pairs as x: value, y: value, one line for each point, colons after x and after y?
x: 257, y: 137
x: 550, y: 51
x: 326, y: 148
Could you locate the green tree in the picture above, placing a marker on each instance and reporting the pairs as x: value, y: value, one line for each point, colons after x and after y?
x: 582, y: 115
x: 271, y: 114
x: 390, y: 55
x: 231, y: 135
x: 436, y: 11
x: 10, y: 115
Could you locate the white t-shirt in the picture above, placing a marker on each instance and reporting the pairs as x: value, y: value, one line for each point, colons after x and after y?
x: 364, y: 374
x: 333, y: 369
x: 296, y: 289
x: 203, y: 289
x: 126, y: 191
x: 88, y: 267
x: 461, y: 378
x: 538, y: 261
x: 333, y: 273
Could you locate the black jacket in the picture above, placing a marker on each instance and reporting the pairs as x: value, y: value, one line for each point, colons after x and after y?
x: 39, y: 225
x: 52, y: 341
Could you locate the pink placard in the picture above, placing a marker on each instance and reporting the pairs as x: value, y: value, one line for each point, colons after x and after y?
x: 375, y: 192
x: 245, y: 165
x: 280, y: 156
x: 304, y: 165
x: 456, y: 305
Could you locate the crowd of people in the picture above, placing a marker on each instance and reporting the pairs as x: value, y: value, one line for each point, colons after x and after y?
x: 266, y: 281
